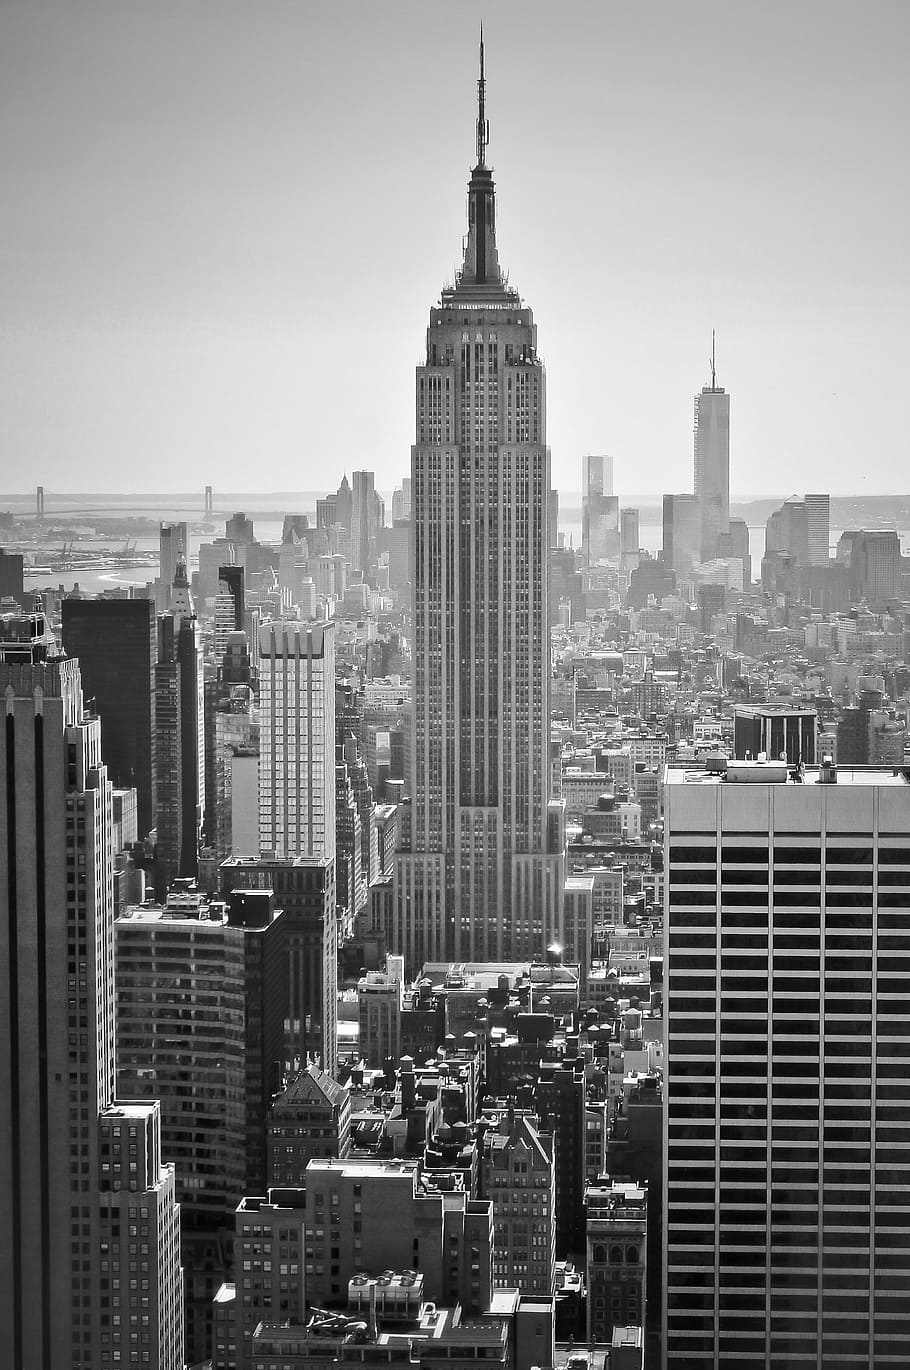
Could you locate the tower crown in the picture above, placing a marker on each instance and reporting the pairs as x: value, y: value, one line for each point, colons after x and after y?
x: 481, y: 260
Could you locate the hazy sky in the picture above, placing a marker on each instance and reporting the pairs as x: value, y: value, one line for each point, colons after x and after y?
x: 224, y: 224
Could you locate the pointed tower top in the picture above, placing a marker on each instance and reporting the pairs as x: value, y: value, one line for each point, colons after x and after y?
x: 481, y: 270
x: 483, y: 127
x: 181, y: 600
x: 713, y: 365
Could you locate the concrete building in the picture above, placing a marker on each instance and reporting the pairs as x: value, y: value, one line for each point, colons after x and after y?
x: 616, y: 1225
x: 786, y: 991
x: 201, y: 1003
x: 479, y: 879
x: 578, y: 921
x: 366, y: 1217
x: 83, y: 1190
x: 297, y: 739
x: 270, y: 1283
x: 778, y: 730
x: 559, y: 1098
x: 309, y: 1120
x: 304, y: 888
x: 518, y: 1176
x: 380, y: 999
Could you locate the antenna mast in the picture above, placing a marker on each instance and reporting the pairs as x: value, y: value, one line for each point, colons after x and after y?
x: 483, y: 127
x: 713, y: 367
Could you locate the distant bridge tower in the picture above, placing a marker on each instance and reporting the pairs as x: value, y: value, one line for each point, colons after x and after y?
x: 39, y: 502
x: 208, y: 501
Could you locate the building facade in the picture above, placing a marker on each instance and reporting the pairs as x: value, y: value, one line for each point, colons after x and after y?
x: 478, y: 880
x: 309, y: 1120
x: 83, y: 1190
x: 787, y: 974
x: 297, y: 739
x: 304, y: 888
x: 616, y: 1260
x: 712, y: 463
x: 115, y: 642
x: 518, y: 1176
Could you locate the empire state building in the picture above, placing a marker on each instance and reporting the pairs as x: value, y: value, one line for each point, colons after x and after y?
x: 482, y: 876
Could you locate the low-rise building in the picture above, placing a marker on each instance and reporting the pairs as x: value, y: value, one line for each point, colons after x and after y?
x: 616, y: 1225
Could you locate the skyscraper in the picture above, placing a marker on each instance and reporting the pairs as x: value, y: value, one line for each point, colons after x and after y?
x: 297, y: 739
x: 179, y: 738
x: 11, y: 564
x: 367, y: 513
x: 596, y: 475
x: 818, y: 519
x: 681, y: 533
x: 478, y: 880
x: 114, y: 640
x: 83, y: 1191
x: 229, y: 607
x: 629, y: 534
x: 201, y: 1000
x: 172, y: 547
x: 304, y: 888
x: 600, y: 534
x: 712, y: 462
x: 785, y: 1236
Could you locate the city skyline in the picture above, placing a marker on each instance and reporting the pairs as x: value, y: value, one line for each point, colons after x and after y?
x: 186, y: 312
x: 439, y: 926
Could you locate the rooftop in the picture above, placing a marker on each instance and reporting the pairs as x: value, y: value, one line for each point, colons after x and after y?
x: 779, y: 773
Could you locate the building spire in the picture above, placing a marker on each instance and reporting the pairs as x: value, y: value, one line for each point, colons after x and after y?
x: 481, y: 260
x: 713, y: 363
x: 483, y: 126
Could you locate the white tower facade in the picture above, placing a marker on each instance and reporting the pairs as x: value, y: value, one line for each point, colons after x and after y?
x: 297, y: 738
x: 479, y: 880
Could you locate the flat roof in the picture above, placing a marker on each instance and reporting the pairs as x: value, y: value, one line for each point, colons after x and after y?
x: 176, y: 917
x: 626, y: 1336
x: 359, y: 1167
x: 128, y: 1108
x: 779, y: 773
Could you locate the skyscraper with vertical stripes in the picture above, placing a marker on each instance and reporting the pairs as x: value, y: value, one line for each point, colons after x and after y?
x: 786, y: 1238
x: 90, y: 1260
x: 483, y: 875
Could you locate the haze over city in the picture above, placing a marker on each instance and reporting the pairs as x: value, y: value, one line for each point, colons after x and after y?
x: 224, y: 221
x: 454, y: 837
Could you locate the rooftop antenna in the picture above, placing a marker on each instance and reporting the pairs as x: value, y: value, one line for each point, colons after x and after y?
x: 483, y: 127
x: 713, y: 367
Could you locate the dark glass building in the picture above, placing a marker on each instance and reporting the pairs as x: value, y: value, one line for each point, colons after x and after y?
x: 11, y: 564
x: 114, y: 640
